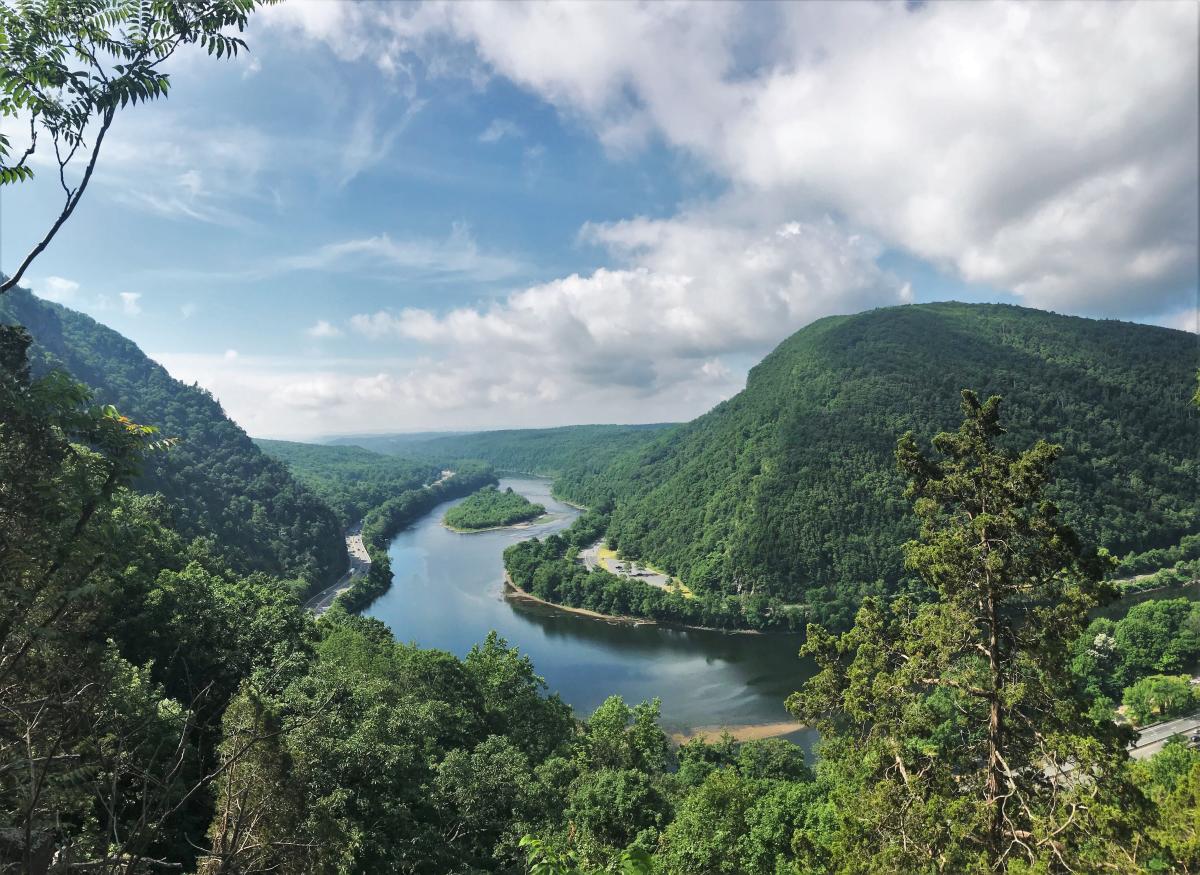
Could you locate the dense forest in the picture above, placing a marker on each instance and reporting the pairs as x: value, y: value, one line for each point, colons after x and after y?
x: 551, y: 570
x: 788, y: 490
x: 219, y: 487
x: 349, y: 479
x: 490, y: 508
x: 166, y: 703
x: 573, y: 451
x: 181, y: 714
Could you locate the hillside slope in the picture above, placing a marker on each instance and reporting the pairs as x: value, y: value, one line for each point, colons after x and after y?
x: 574, y: 451
x: 219, y: 484
x: 789, y: 489
x: 349, y: 479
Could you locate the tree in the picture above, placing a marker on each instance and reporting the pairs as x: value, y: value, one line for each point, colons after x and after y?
x: 68, y: 66
x: 1160, y: 697
x: 94, y: 758
x: 1171, y: 779
x: 956, y: 716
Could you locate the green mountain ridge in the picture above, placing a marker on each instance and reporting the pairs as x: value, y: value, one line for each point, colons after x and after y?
x: 218, y: 483
x: 582, y: 450
x: 350, y: 479
x: 789, y: 488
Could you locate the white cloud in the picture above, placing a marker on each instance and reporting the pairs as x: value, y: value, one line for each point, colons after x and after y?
x: 129, y: 303
x: 668, y: 332
x: 499, y: 129
x: 1187, y: 319
x: 691, y: 290
x: 1043, y: 148
x: 324, y: 329
x: 57, y: 289
x: 455, y: 256
x: 155, y: 163
x: 231, y: 355
x: 1047, y: 149
x: 369, y: 143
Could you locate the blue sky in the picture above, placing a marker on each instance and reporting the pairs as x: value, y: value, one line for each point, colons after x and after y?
x: 400, y: 217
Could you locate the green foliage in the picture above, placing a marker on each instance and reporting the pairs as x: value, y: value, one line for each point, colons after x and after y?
x: 159, y: 709
x: 1154, y: 637
x: 544, y: 860
x: 572, y: 451
x: 1160, y: 697
x: 217, y: 483
x: 551, y: 570
x: 947, y: 715
x: 383, y: 522
x: 350, y: 480
x: 1164, y: 557
x: 490, y: 508
x: 787, y: 490
x: 1171, y: 779
x: 91, y: 748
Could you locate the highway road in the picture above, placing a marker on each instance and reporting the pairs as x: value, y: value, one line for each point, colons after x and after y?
x: 1152, y: 738
x: 359, y: 563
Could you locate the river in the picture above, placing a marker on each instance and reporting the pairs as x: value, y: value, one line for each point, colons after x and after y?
x: 448, y: 593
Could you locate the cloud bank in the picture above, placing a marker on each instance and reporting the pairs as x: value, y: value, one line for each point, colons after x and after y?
x: 1046, y: 150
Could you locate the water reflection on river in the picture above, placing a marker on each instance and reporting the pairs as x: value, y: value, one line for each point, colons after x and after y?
x: 448, y: 593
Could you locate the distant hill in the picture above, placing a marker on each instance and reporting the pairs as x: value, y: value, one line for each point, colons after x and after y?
x: 391, y: 444
x: 574, y: 450
x: 789, y: 488
x: 219, y: 484
x: 350, y: 479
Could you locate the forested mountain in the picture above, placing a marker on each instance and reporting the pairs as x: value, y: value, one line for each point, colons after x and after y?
x: 390, y: 444
x: 349, y: 479
x: 574, y: 450
x: 170, y: 714
x: 219, y: 485
x: 790, y: 489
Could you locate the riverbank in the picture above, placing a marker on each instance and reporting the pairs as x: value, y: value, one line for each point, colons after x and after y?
x: 739, y: 732
x: 514, y: 591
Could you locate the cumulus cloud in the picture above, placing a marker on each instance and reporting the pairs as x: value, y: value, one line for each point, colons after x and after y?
x: 688, y: 292
x: 58, y: 289
x: 669, y: 330
x: 323, y: 329
x: 1047, y: 149
x: 130, y: 303
x: 1043, y: 148
x: 1187, y: 319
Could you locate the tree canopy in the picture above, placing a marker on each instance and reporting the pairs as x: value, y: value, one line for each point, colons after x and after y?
x: 490, y: 508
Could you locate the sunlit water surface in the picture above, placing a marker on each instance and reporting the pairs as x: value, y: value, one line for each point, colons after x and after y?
x: 448, y: 593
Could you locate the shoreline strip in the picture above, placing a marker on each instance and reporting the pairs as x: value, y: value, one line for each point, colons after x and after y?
x: 515, y: 592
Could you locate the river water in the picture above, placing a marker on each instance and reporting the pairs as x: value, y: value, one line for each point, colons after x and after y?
x: 448, y: 593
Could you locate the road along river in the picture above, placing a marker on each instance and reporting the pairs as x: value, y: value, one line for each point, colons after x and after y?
x: 448, y: 593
